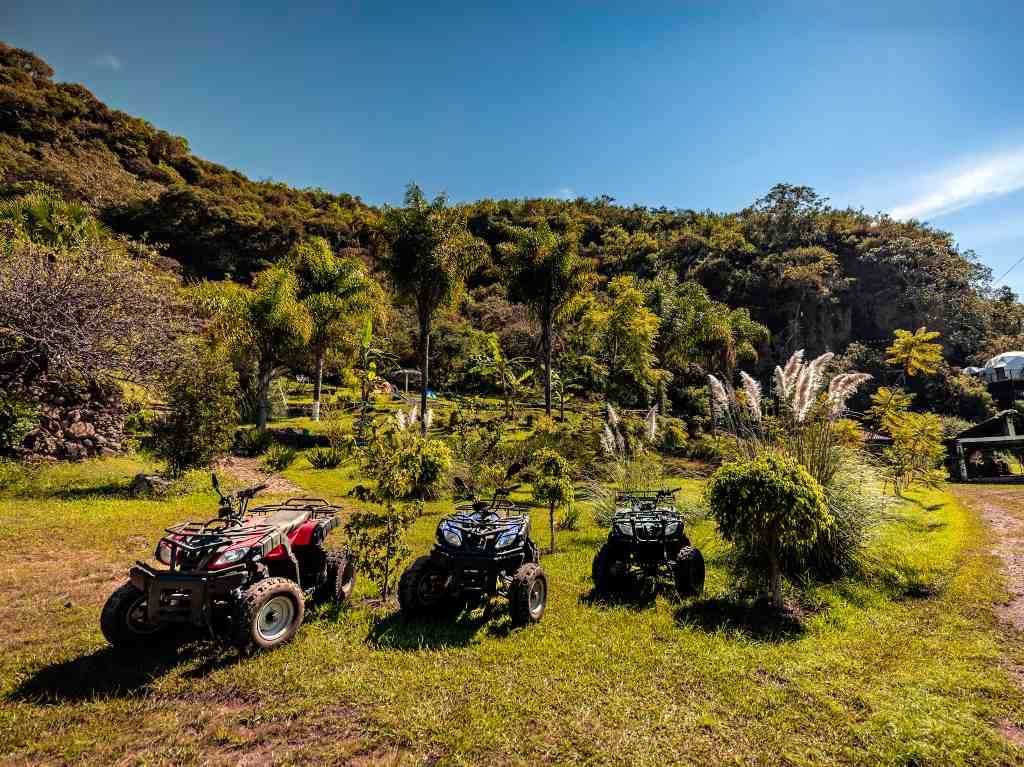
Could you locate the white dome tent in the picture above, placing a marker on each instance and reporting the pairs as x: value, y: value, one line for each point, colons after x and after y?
x: 1007, y: 366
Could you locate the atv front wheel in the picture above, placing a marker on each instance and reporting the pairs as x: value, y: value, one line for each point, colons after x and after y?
x: 423, y: 587
x: 689, y: 572
x: 125, y: 618
x: 340, y: 578
x: 528, y: 595
x: 268, y: 614
x: 607, y: 573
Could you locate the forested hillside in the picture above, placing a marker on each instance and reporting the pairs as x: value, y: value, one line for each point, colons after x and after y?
x: 816, y: 276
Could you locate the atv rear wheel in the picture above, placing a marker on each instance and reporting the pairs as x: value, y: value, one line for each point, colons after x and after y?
x: 608, y: 574
x: 125, y: 618
x: 528, y: 595
x: 423, y: 587
x: 689, y: 572
x: 268, y: 614
x: 340, y: 578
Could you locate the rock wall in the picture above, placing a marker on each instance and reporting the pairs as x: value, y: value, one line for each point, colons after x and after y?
x: 77, y: 421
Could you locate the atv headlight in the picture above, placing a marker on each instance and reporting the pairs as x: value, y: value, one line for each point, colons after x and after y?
x: 163, y: 552
x: 671, y: 528
x: 451, y: 536
x: 229, y: 557
x: 506, y: 539
x: 624, y: 528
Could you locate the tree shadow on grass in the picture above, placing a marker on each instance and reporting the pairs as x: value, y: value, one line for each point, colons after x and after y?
x: 755, y: 619
x: 112, y: 489
x: 397, y: 632
x: 117, y: 673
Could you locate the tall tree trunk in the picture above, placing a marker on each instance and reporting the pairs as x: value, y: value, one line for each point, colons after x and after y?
x: 545, y: 342
x: 318, y: 384
x: 561, y: 404
x: 551, y: 521
x: 775, y: 574
x: 424, y: 371
x: 263, y: 399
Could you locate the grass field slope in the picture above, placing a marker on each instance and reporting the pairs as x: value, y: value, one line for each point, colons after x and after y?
x: 907, y: 667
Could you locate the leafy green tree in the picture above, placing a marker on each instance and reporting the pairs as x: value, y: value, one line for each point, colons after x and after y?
x: 377, y: 538
x: 428, y: 252
x: 552, y: 485
x: 337, y: 292
x: 545, y: 272
x: 769, y: 507
x: 915, y: 352
x: 888, y: 405
x: 626, y: 332
x: 916, y: 452
x: 267, y: 326
x: 202, y: 413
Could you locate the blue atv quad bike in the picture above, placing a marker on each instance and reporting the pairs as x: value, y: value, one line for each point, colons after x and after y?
x: 483, y: 550
x: 647, y: 540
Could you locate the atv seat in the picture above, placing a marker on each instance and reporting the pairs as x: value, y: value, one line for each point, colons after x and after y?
x: 287, y: 519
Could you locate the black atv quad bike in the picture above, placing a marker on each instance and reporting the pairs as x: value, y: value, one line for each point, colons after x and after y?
x: 483, y: 550
x: 647, y: 538
x: 244, y: 576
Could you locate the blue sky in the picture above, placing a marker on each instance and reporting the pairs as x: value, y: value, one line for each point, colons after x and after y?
x: 911, y: 108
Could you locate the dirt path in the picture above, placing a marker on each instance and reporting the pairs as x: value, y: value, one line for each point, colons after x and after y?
x: 1002, y: 508
x: 247, y: 471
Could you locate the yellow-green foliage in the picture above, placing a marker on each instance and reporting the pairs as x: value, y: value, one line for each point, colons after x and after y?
x: 768, y: 507
x: 914, y: 352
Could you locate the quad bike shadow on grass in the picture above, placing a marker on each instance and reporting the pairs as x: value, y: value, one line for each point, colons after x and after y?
x: 397, y: 632
x: 119, y: 673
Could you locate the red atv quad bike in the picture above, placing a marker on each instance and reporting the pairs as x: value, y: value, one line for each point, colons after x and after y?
x: 244, y: 576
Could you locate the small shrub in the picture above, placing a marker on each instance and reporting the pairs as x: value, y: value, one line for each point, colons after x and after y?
x: 377, y: 538
x: 278, y: 458
x: 250, y: 443
x: 673, y: 436
x: 570, y: 519
x: 325, y: 457
x: 769, y: 507
x: 407, y: 465
x: 201, y: 396
x: 17, y: 418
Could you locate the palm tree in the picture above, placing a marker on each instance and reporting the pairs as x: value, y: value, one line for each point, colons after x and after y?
x: 337, y: 292
x: 45, y: 217
x: 544, y: 271
x: 429, y: 253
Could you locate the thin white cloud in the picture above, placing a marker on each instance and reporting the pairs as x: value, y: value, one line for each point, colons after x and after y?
x: 107, y: 61
x: 965, y: 185
x: 565, y: 193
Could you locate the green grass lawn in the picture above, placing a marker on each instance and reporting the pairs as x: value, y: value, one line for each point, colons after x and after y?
x: 903, y: 668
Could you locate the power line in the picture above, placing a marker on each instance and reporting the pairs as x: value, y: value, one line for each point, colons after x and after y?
x: 1015, y: 264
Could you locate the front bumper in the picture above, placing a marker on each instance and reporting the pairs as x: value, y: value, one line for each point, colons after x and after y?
x: 478, y: 572
x: 184, y: 597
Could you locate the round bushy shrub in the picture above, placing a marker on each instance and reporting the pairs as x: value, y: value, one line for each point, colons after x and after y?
x: 769, y: 508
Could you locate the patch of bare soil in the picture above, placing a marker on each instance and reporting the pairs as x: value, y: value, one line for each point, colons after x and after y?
x: 1002, y: 508
x: 248, y: 471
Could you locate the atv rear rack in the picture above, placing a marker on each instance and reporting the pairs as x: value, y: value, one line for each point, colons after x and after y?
x: 318, y: 508
x: 635, y: 497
